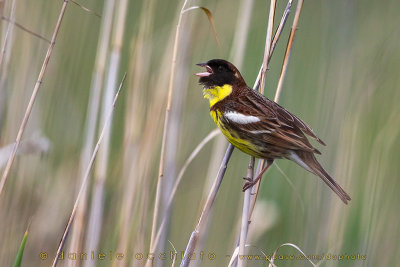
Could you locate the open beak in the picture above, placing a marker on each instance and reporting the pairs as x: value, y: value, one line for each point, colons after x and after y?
x: 208, y: 71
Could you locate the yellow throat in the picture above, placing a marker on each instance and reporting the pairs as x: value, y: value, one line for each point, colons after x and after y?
x: 217, y: 93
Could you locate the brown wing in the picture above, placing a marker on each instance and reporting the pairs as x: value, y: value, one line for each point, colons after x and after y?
x: 277, y: 127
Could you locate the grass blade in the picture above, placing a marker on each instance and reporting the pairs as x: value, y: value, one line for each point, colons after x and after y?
x: 18, y: 259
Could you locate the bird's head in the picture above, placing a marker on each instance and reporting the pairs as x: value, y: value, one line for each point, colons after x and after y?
x: 219, y: 72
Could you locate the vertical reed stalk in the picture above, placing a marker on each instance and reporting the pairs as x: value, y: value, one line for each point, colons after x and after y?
x: 165, y: 133
x: 96, y: 212
x: 248, y: 206
x: 245, y: 212
x: 8, y: 35
x: 247, y: 194
x: 175, y: 122
x: 5, y: 54
x: 261, y: 162
x: 277, y: 94
x: 91, y: 120
x: 268, y: 42
x: 133, y: 186
x: 33, y: 97
x: 87, y: 173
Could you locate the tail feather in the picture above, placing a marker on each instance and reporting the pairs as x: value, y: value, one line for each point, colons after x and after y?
x: 308, y: 161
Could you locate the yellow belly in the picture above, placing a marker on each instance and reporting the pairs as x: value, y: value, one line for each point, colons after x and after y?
x: 244, y: 145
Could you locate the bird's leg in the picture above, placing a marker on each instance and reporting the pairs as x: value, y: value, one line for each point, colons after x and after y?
x: 251, y: 182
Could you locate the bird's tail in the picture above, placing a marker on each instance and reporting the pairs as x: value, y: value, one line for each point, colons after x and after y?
x: 308, y: 161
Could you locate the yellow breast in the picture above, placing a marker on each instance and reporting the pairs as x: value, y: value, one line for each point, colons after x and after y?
x: 217, y: 93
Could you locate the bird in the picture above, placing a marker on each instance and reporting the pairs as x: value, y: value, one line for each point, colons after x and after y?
x: 257, y: 125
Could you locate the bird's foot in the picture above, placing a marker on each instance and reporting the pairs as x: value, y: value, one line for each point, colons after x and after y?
x: 250, y: 182
x: 247, y: 179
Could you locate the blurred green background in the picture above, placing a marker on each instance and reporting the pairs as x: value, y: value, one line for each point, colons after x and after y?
x: 343, y: 79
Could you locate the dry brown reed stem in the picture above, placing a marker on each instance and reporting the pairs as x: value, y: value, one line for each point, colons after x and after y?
x: 268, y: 43
x: 23, y: 28
x: 278, y: 32
x: 275, y: 39
x: 261, y: 162
x: 278, y: 90
x: 288, y: 50
x: 20, y: 26
x: 260, y: 165
x: 247, y: 197
x: 165, y: 131
x: 207, y: 208
x: 247, y: 194
x: 281, y: 78
x: 248, y: 207
x: 87, y: 173
x: 91, y: 118
x: 194, y: 153
x: 33, y: 98
x: 257, y: 84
